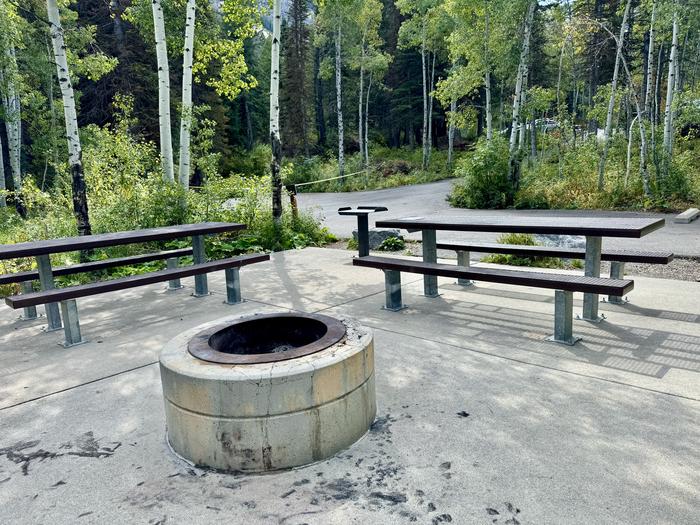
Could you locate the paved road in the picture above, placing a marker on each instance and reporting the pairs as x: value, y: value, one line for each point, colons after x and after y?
x: 429, y: 199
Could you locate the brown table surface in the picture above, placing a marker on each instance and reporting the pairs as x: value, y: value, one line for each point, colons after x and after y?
x: 69, y: 244
x: 589, y: 226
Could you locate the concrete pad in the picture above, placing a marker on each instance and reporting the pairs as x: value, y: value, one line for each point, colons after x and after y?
x: 479, y: 419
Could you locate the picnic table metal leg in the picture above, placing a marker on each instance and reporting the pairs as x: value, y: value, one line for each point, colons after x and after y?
x: 29, y: 311
x: 592, y: 269
x: 69, y: 309
x: 563, y: 318
x: 46, y: 279
x: 617, y: 271
x: 463, y: 260
x: 430, y: 282
x: 392, y: 288
x: 363, y: 235
x: 233, y: 286
x: 173, y: 284
x: 201, y: 288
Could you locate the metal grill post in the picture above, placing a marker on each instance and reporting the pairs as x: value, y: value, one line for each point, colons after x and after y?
x: 463, y: 260
x: 173, y: 284
x: 46, y: 279
x: 392, y: 288
x: 564, y: 318
x: 592, y: 269
x: 233, y: 286
x: 201, y: 288
x: 363, y: 235
x: 29, y: 311
x: 617, y: 271
x: 430, y: 282
x: 69, y: 309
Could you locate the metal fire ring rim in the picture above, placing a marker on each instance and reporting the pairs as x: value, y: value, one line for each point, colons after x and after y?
x: 198, y: 345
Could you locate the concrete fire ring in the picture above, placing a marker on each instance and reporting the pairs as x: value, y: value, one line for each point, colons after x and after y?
x: 268, y: 416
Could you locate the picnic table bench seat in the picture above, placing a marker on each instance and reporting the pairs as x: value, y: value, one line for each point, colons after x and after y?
x: 66, y: 296
x: 564, y: 285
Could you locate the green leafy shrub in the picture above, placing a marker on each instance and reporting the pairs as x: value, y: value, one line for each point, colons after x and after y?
x: 392, y: 244
x: 522, y: 239
x: 484, y: 176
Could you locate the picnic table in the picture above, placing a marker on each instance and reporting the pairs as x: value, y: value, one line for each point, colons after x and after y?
x: 41, y: 251
x: 593, y: 228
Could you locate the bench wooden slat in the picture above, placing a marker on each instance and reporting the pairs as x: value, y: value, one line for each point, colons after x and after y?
x: 33, y: 275
x: 637, y: 256
x: 132, y: 281
x: 570, y: 283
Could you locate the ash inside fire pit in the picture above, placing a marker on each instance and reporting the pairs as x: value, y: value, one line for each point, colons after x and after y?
x: 266, y: 338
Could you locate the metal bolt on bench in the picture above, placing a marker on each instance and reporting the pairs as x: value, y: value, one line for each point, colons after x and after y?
x: 362, y: 212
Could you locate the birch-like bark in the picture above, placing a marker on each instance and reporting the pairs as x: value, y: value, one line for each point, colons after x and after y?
x: 671, y: 90
x: 339, y: 100
x: 275, y: 141
x: 425, y: 97
x: 13, y: 116
x: 487, y: 75
x: 166, y: 141
x: 628, y: 163
x: 650, y: 66
x: 522, y: 69
x: 79, y: 190
x: 611, y: 103
x: 366, y: 138
x: 431, y: 97
x: 186, y: 117
x: 451, y: 132
x: 3, y: 200
x: 360, y: 100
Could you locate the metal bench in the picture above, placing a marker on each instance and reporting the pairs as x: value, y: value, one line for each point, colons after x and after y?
x: 67, y: 296
x: 618, y: 258
x: 564, y: 285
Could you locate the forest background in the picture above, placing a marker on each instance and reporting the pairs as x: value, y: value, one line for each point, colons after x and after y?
x: 124, y: 114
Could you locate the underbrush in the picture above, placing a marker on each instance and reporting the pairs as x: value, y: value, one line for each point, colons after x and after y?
x: 522, y: 239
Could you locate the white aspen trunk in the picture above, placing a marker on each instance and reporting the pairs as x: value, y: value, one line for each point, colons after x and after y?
x: 611, y: 103
x: 628, y: 164
x: 451, y: 132
x: 366, y: 138
x: 425, y: 99
x: 339, y: 101
x: 487, y: 75
x: 13, y: 117
x: 523, y: 101
x: 360, y: 100
x: 524, y: 54
x: 166, y: 141
x: 670, y: 91
x: 3, y: 201
x: 79, y: 190
x: 275, y: 140
x: 431, y: 97
x: 186, y: 117
x: 650, y: 66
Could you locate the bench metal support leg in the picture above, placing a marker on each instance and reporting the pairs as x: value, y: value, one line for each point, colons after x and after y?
x: 617, y: 271
x: 392, y: 287
x: 592, y: 269
x: 363, y: 235
x: 463, y: 260
x: 29, y: 311
x: 46, y: 279
x: 71, y: 328
x: 173, y: 284
x: 430, y: 282
x: 233, y: 286
x: 563, y: 318
x: 201, y: 288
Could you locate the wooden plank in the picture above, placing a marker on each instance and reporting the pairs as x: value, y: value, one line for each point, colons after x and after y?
x: 633, y: 227
x: 637, y: 256
x: 33, y: 275
x: 86, y: 242
x: 132, y: 281
x: 554, y: 281
x: 687, y: 216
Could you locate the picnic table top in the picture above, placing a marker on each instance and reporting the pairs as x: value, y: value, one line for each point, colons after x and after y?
x: 86, y: 242
x: 634, y: 227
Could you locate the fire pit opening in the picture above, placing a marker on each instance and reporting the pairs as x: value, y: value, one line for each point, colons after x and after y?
x: 267, y: 338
